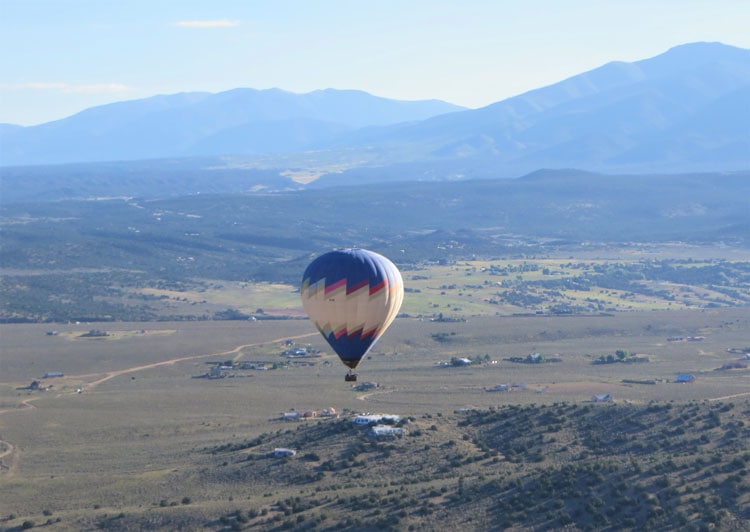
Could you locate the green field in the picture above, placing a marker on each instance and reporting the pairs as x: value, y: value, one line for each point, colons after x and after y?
x: 466, y: 289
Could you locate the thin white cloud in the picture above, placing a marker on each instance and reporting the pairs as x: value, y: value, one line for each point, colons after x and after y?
x: 207, y: 23
x: 93, y: 88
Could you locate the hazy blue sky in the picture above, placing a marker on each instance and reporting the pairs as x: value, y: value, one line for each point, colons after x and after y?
x: 58, y: 57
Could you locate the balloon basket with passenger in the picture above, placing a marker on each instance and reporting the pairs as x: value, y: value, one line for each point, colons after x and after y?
x: 350, y: 377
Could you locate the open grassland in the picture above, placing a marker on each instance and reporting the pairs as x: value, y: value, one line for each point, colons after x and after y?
x: 215, y: 296
x: 483, y: 288
x: 626, y: 280
x: 134, y: 447
x: 566, y: 286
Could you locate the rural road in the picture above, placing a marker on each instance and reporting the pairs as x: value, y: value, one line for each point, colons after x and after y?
x: 364, y: 396
x: 14, y: 453
x: 233, y: 351
x: 10, y: 450
x: 724, y: 398
x: 26, y: 406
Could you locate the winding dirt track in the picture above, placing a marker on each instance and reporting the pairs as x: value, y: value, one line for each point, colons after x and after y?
x: 729, y: 396
x: 26, y: 406
x: 233, y: 351
x: 11, y: 451
x: 364, y: 396
x: 14, y: 453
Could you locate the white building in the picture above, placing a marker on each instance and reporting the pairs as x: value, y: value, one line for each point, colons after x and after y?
x: 366, y: 419
x: 281, y: 452
x: 381, y: 431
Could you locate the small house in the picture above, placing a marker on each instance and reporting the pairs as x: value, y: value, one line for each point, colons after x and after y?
x: 386, y: 431
x: 366, y: 419
x: 685, y: 377
x: 34, y: 386
x: 602, y: 398
x: 282, y: 452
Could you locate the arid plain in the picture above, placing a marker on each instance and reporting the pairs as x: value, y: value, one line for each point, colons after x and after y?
x: 127, y: 412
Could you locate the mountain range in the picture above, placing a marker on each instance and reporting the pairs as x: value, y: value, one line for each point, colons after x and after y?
x: 685, y: 110
x: 239, y: 121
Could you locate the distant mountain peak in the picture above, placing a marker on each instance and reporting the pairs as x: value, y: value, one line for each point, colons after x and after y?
x: 707, y: 49
x: 240, y: 121
x: 682, y: 110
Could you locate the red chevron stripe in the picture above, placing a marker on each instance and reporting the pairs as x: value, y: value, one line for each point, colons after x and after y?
x: 378, y: 287
x: 354, y: 334
x: 369, y: 333
x: 357, y: 286
x: 334, y: 286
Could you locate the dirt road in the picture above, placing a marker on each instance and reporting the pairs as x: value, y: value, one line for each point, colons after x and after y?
x: 13, y: 454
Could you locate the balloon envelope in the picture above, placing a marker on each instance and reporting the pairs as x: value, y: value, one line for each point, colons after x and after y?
x: 352, y: 296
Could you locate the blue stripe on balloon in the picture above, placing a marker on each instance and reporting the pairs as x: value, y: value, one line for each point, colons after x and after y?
x: 358, y: 269
x: 350, y: 348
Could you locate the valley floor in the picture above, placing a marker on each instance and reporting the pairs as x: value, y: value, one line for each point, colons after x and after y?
x: 122, y: 425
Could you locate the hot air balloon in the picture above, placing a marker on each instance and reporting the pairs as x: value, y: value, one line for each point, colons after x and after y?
x: 352, y: 296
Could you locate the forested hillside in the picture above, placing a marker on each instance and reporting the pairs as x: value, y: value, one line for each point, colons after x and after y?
x: 603, y: 467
